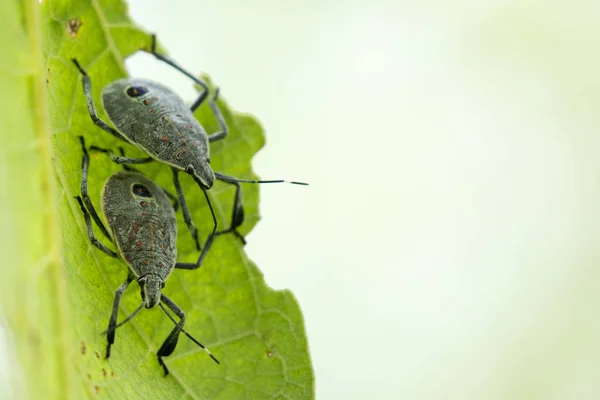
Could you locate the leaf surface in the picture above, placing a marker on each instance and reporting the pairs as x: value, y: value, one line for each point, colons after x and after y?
x: 258, y: 334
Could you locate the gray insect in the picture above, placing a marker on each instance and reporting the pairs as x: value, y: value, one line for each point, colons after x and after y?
x: 155, y: 119
x: 144, y: 230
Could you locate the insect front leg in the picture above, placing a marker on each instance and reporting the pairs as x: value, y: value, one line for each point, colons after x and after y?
x: 207, y: 246
x: 198, y: 263
x: 87, y: 90
x: 170, y: 342
x: 237, y: 214
x: 187, y: 217
x: 112, y: 322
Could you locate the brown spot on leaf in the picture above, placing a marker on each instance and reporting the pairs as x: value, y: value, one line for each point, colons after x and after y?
x: 145, y: 262
x: 82, y: 347
x: 103, y: 372
x: 97, y: 355
x: 143, y: 203
x: 138, y: 244
x: 146, y: 102
x: 112, y: 373
x: 97, y: 389
x: 73, y: 26
x: 165, y: 139
x: 89, y: 376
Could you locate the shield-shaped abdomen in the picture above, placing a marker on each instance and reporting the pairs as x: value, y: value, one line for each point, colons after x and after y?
x: 142, y: 222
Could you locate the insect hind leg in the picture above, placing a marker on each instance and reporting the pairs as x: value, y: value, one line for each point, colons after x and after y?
x: 217, y: 113
x: 202, y: 96
x: 89, y: 206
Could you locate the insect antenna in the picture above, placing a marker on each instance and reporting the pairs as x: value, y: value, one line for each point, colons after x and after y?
x: 231, y: 179
x: 188, y: 335
x: 133, y: 314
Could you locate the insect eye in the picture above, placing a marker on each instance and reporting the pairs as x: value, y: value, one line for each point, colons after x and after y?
x: 136, y: 91
x: 141, y: 190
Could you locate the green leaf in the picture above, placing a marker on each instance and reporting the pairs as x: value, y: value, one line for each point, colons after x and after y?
x: 57, y: 289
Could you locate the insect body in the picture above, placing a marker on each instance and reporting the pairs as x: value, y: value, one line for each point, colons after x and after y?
x: 159, y: 123
x: 155, y: 119
x: 143, y: 227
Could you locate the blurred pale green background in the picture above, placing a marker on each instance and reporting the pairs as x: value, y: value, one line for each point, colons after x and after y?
x: 447, y: 247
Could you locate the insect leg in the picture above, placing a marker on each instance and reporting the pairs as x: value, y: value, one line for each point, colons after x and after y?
x: 237, y: 214
x: 184, y: 208
x: 112, y: 322
x: 170, y: 342
x: 209, y: 239
x: 87, y: 90
x: 90, y: 231
x: 85, y: 163
x: 168, y: 346
x: 126, y: 167
x: 217, y: 112
x: 174, y: 64
x: 122, y: 160
x: 198, y: 263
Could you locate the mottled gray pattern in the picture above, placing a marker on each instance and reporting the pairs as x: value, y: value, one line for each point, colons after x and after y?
x: 143, y: 227
x: 159, y: 122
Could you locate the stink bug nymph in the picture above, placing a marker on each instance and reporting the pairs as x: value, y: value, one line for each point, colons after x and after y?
x: 155, y: 119
x: 143, y: 227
